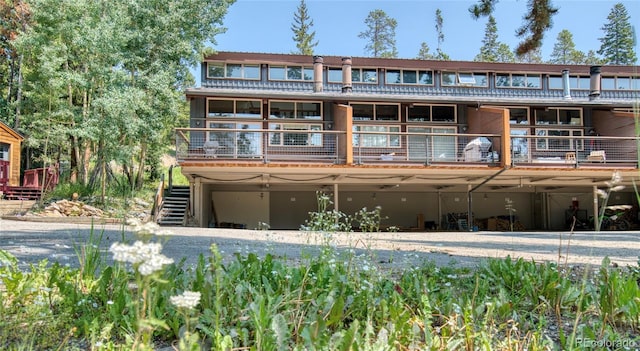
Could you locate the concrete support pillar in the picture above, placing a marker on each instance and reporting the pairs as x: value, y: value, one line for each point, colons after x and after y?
x: 347, y: 85
x: 198, y: 214
x: 594, y: 83
x: 317, y: 73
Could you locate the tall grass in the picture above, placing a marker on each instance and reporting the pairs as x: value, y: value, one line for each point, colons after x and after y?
x: 334, y: 300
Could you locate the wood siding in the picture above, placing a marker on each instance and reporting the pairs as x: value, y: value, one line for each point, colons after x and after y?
x: 13, y: 139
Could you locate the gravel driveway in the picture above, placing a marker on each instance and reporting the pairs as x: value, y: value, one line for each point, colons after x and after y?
x: 31, y: 242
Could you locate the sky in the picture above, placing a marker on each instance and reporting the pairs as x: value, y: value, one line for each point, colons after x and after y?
x: 265, y: 25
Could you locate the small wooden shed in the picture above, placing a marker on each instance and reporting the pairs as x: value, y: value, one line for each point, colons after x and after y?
x: 10, y: 141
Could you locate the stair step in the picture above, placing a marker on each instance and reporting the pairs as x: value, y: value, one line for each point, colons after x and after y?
x: 174, y: 206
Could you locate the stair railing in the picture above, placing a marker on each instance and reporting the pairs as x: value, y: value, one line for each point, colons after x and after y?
x: 157, y: 200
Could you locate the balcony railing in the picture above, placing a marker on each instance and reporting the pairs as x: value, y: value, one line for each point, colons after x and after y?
x: 322, y: 146
x: 425, y: 148
x: 259, y: 145
x: 574, y: 151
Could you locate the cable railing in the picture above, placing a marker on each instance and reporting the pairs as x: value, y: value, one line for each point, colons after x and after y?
x: 369, y: 144
x: 262, y: 145
x: 374, y: 144
x: 574, y: 151
x: 425, y: 148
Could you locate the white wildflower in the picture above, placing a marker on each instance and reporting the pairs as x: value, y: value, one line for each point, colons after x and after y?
x: 147, y: 255
x: 188, y: 299
x: 154, y: 264
x: 109, y: 302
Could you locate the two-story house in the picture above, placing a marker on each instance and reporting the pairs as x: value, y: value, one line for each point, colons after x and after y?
x: 427, y: 141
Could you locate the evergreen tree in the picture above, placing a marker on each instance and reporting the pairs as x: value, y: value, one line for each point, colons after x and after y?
x: 504, y: 53
x: 564, y: 50
x: 592, y: 58
x: 490, y: 44
x: 617, y: 44
x: 440, y: 55
x: 380, y: 35
x: 537, y: 21
x: 303, y: 36
x: 423, y: 53
x: 534, y: 56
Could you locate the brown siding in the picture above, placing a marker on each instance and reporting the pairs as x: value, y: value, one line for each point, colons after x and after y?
x: 492, y: 120
x: 466, y: 66
x: 343, y: 122
x: 619, y: 124
x: 8, y: 136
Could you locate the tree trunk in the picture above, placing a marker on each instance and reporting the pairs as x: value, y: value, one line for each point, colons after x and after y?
x: 16, y: 122
x: 140, y: 176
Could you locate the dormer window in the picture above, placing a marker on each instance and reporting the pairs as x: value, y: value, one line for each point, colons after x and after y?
x: 470, y: 79
x: 518, y: 80
x: 233, y: 70
x: 290, y: 73
x: 396, y: 76
x: 358, y: 75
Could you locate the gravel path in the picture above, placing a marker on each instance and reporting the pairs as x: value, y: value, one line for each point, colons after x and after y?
x: 32, y: 242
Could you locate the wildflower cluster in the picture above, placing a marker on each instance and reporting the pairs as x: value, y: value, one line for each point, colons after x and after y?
x: 188, y: 299
x: 146, y: 256
x: 148, y: 228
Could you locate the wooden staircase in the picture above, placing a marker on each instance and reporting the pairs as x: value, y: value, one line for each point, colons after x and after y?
x: 175, y: 205
x: 22, y: 193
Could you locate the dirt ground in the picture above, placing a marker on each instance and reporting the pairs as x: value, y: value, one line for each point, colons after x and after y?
x: 31, y: 242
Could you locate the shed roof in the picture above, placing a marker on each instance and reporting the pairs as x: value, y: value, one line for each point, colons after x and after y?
x: 10, y: 130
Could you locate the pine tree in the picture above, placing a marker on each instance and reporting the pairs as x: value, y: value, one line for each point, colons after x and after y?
x: 303, y: 36
x: 380, y: 34
x: 440, y: 55
x: 537, y: 21
x: 617, y: 44
x: 534, y: 56
x: 564, y: 50
x: 423, y: 53
x: 504, y: 53
x: 490, y: 44
x: 592, y: 58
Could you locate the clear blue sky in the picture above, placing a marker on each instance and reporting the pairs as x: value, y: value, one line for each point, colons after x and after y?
x: 265, y: 25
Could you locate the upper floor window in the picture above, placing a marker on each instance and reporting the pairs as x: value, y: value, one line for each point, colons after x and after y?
x: 376, y: 112
x: 234, y: 108
x: 575, y: 82
x: 358, y: 75
x: 431, y: 113
x: 562, y: 116
x: 396, y: 76
x: 518, y: 115
x: 518, y: 80
x: 233, y: 70
x: 477, y: 79
x: 295, y: 109
x: 620, y: 83
x: 290, y: 73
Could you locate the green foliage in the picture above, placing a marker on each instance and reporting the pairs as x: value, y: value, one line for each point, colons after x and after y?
x: 564, y: 50
x: 380, y: 35
x: 537, y: 20
x: 327, y: 220
x: 330, y: 301
x: 108, y: 78
x: 493, y: 50
x: 617, y: 44
x: 303, y: 35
